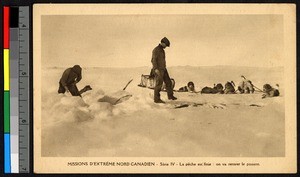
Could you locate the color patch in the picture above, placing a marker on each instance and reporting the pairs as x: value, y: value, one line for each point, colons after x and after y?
x: 6, y: 69
x: 14, y: 17
x: 6, y: 112
x: 6, y: 27
x: 7, y: 165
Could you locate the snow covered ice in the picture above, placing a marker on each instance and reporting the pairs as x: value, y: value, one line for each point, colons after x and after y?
x: 221, y: 125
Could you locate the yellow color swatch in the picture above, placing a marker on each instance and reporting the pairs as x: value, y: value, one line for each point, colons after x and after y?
x: 6, y: 69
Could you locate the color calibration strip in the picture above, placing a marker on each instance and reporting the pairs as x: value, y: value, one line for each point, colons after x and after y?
x: 7, y: 156
x: 16, y: 89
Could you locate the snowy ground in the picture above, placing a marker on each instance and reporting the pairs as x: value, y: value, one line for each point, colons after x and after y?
x: 222, y: 126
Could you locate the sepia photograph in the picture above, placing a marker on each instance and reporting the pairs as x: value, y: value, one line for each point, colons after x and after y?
x: 164, y: 88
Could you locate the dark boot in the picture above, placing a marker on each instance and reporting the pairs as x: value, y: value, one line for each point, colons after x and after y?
x: 172, y: 98
x: 159, y: 101
x: 61, y: 88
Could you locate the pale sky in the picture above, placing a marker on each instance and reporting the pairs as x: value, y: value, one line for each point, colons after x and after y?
x: 128, y: 40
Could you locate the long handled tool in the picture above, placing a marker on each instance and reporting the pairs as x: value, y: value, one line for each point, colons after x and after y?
x: 127, y: 84
x: 125, y: 95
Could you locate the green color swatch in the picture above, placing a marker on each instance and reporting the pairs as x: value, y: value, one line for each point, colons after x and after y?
x: 6, y: 112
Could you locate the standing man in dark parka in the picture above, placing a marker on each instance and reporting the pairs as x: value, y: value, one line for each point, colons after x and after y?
x: 160, y: 71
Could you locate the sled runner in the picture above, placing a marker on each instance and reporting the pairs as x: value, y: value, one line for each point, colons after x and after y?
x: 187, y: 104
x: 182, y: 104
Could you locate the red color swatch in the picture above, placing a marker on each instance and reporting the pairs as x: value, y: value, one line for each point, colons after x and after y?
x: 6, y: 27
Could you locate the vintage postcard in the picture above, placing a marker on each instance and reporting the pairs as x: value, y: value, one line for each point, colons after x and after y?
x: 164, y: 88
